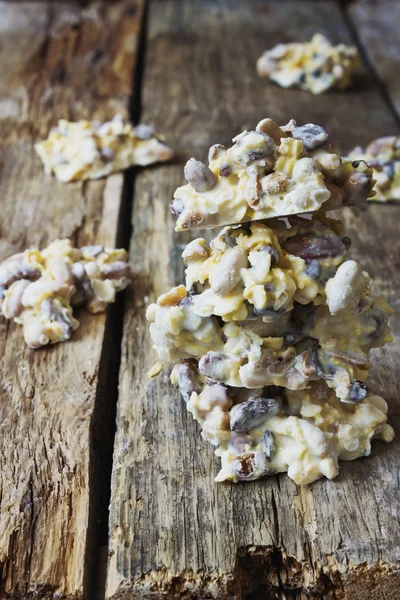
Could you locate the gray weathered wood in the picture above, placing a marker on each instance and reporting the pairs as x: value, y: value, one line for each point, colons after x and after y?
x: 174, y: 533
x: 58, y: 60
x: 377, y: 25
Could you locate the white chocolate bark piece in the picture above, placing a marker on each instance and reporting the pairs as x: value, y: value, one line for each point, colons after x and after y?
x: 383, y: 155
x: 269, y: 172
x: 297, y: 347
x: 316, y: 66
x: 263, y: 269
x: 271, y: 430
x: 90, y: 150
x: 39, y: 288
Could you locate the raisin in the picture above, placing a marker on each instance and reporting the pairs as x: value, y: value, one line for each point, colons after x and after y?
x: 358, y: 392
x: 311, y: 246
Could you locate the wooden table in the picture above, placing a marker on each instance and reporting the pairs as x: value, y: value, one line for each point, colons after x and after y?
x: 188, y: 67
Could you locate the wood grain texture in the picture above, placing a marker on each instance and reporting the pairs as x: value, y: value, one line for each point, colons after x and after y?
x: 377, y: 24
x: 174, y: 533
x: 62, y: 61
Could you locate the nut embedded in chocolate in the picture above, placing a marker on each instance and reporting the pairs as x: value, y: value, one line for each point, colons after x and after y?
x: 310, y: 245
x: 215, y: 152
x: 253, y: 412
x: 312, y: 136
x: 200, y: 177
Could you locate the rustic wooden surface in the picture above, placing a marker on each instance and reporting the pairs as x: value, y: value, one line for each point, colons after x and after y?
x: 377, y: 24
x: 58, y: 60
x: 174, y: 533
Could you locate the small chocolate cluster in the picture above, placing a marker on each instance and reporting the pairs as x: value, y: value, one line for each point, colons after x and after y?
x: 40, y: 289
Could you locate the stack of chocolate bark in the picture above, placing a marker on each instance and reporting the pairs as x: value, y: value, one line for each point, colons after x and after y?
x: 270, y: 336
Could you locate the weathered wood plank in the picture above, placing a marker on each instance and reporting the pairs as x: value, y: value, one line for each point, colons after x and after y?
x: 61, y: 60
x: 377, y: 24
x: 174, y: 533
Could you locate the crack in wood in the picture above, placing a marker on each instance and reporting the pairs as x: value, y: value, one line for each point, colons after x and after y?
x: 115, y: 324
x: 363, y: 51
x: 58, y: 405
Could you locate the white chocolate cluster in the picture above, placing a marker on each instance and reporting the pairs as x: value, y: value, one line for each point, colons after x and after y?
x: 90, y: 149
x: 256, y: 312
x: 271, y: 430
x: 383, y: 155
x: 270, y: 172
x: 39, y: 289
x: 316, y: 66
x: 260, y: 270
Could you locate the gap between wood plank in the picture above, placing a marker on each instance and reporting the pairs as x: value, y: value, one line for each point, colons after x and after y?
x: 344, y: 8
x: 110, y: 363
x: 67, y: 63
